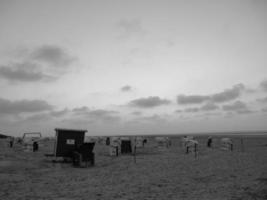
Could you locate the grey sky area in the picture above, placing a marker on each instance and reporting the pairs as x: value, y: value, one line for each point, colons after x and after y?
x: 133, y: 67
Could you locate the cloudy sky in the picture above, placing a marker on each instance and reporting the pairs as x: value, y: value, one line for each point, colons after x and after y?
x: 133, y: 67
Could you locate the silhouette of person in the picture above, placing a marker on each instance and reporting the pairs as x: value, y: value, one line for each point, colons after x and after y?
x: 11, y: 142
x: 35, y: 146
x: 108, y: 141
x: 209, y: 143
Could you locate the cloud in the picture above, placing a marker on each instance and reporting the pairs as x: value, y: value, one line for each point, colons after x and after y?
x: 262, y: 100
x: 263, y: 85
x: 39, y: 117
x: 209, y: 106
x: 59, y: 113
x: 24, y: 72
x: 81, y: 110
x: 153, y: 119
x: 96, y: 114
x: 228, y: 94
x: 102, y: 113
x: 43, y: 63
x: 191, y: 99
x: 23, y: 106
x: 137, y: 113
x: 130, y: 28
x: 149, y: 102
x: 53, y: 55
x: 264, y: 109
x: 224, y: 96
x: 80, y: 115
x: 126, y: 88
x: 238, y: 107
x: 245, y: 111
x: 192, y: 110
x: 208, y: 114
x: 77, y: 117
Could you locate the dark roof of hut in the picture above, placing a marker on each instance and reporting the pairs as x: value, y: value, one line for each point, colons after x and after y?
x: 3, y: 136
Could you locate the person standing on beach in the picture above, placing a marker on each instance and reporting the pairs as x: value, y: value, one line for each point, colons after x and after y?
x: 35, y: 146
x: 209, y: 143
x: 11, y: 142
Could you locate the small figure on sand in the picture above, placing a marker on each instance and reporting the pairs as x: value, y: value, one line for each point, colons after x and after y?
x: 209, y: 143
x: 35, y: 146
x: 11, y: 142
x: 108, y: 141
x: 144, y: 142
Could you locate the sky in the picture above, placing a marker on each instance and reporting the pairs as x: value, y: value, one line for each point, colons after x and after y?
x: 133, y: 67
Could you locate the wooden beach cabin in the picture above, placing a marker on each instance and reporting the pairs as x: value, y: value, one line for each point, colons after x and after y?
x: 70, y: 144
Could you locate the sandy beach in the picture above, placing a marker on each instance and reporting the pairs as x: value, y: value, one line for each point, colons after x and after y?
x: 157, y: 174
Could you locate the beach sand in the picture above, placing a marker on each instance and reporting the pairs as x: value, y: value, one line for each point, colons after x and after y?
x: 157, y: 173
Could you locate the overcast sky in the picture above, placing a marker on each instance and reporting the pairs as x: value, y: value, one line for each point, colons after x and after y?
x: 133, y: 67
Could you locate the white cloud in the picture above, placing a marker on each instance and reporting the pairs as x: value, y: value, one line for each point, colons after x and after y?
x: 239, y: 107
x: 191, y: 99
x: 149, y: 102
x: 43, y: 63
x: 137, y: 113
x: 126, y: 88
x: 228, y: 94
x: 24, y: 72
x: 224, y: 96
x: 23, y: 106
x: 192, y: 110
x: 53, y: 55
x: 209, y: 106
x: 263, y: 85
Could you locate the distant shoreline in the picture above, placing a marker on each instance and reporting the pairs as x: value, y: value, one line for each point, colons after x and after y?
x: 221, y: 133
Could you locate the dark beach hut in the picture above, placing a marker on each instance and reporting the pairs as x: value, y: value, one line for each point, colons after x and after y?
x: 3, y: 136
x: 68, y: 140
x: 126, y: 145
